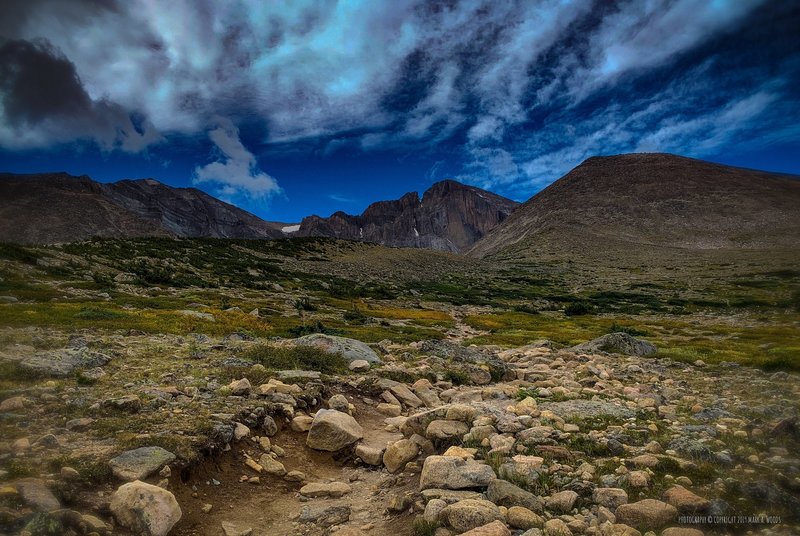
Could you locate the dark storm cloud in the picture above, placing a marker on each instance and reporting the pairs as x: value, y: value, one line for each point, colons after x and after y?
x: 43, y: 99
x: 519, y: 91
x: 38, y: 83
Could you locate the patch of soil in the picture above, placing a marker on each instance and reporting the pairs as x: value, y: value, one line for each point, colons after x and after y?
x: 269, y: 508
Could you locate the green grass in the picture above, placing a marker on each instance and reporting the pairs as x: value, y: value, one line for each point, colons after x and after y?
x: 299, y: 357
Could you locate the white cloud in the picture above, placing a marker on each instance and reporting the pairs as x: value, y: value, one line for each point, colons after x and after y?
x: 237, y: 172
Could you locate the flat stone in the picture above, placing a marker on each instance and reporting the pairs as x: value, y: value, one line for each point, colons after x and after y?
x: 324, y: 516
x: 321, y: 489
x: 504, y: 493
x: 406, y: 396
x: 138, y: 464
x: 232, y: 529
x: 296, y: 374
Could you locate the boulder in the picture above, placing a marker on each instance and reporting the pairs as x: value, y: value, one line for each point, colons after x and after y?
x: 339, y: 403
x: 398, y: 454
x: 351, y: 349
x: 145, y: 509
x: 138, y: 464
x: 406, y: 396
x: 370, y: 455
x: 495, y: 528
x: 616, y: 343
x: 681, y: 531
x: 646, y: 514
x: 561, y: 502
x: 556, y: 527
x: 443, y: 430
x: 521, y: 518
x: 504, y: 493
x: 37, y: 495
x: 448, y: 472
x: 333, y: 430
x: 271, y: 466
x: 685, y: 501
x: 469, y: 514
x: 611, y: 498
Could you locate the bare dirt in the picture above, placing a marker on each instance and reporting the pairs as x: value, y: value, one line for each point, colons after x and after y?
x: 272, y: 506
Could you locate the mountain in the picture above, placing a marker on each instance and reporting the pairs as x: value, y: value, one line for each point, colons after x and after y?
x: 450, y: 217
x: 651, y: 201
x: 58, y: 207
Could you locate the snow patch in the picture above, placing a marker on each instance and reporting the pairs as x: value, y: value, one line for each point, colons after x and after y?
x: 361, y: 232
x: 416, y: 233
x: 291, y: 228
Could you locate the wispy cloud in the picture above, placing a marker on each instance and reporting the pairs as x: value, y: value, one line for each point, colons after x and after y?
x: 341, y: 198
x: 236, y: 172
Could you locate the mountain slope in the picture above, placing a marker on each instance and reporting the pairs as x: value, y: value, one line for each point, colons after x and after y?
x: 652, y: 200
x: 58, y: 207
x: 450, y: 217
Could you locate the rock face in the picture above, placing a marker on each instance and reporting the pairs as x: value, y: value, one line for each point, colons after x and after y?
x: 145, y: 509
x: 333, y: 430
x: 351, y: 349
x: 450, y: 217
x: 616, y: 343
x: 633, y: 202
x: 57, y: 207
x: 138, y: 464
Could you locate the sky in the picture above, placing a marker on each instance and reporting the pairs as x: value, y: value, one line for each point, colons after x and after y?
x: 311, y: 106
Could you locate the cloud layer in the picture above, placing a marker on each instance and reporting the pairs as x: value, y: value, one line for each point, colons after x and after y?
x: 518, y: 91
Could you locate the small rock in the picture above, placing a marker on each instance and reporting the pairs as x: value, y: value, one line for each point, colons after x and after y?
x: 231, y: 529
x: 495, y: 528
x: 556, y: 527
x: 240, y: 387
x: 685, y: 501
x: 271, y: 466
x: 359, y: 365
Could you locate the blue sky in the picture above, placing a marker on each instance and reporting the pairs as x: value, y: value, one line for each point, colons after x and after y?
x: 321, y: 105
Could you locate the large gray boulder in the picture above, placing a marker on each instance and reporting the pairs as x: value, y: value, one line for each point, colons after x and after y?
x: 351, y: 349
x: 59, y: 363
x: 447, y: 472
x: 138, y: 464
x: 469, y: 514
x: 145, y: 509
x: 616, y: 343
x: 333, y: 430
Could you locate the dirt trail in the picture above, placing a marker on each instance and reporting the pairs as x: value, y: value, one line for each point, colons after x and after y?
x: 462, y: 331
x: 271, y: 507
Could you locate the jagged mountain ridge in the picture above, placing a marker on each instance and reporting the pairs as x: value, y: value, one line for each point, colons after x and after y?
x: 653, y: 200
x: 450, y: 216
x: 58, y: 207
